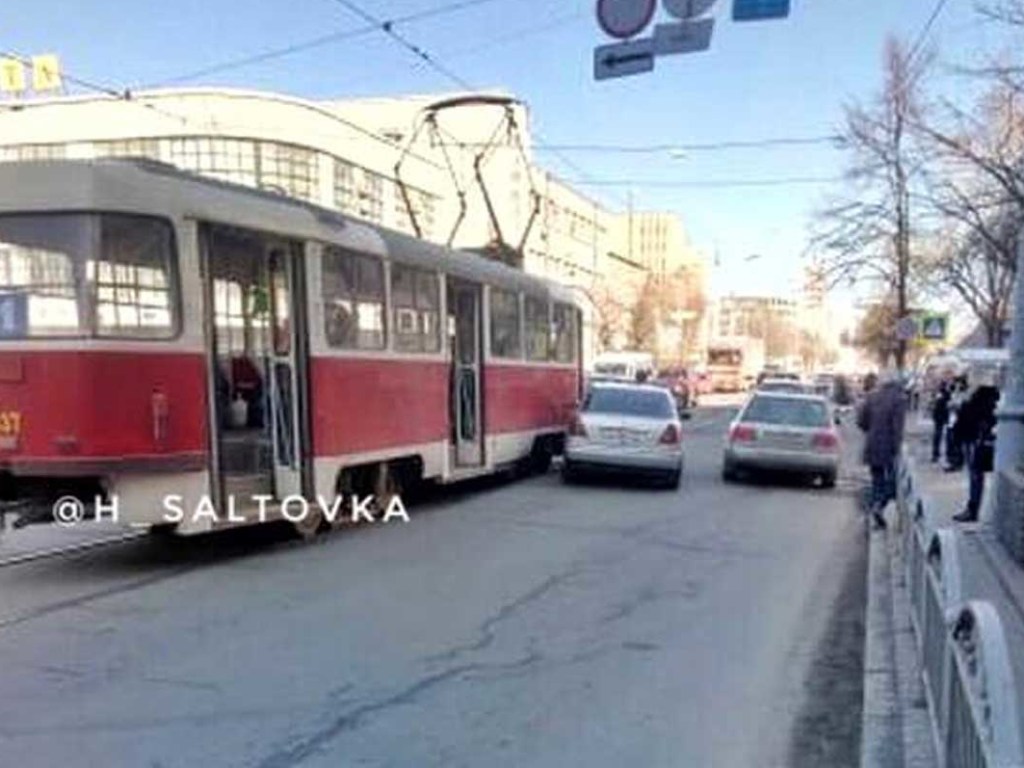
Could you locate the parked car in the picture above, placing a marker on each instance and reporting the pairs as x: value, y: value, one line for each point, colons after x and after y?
x: 677, y: 381
x: 784, y: 433
x: 628, y: 429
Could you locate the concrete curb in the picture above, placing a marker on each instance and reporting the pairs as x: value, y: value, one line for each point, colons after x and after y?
x: 881, y: 727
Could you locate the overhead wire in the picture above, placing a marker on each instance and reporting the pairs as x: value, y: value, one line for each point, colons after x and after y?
x: 125, y: 95
x: 926, y: 30
x: 706, y: 183
x: 319, y: 41
x: 434, y: 63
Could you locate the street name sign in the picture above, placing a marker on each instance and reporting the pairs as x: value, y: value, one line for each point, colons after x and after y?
x: 683, y: 37
x: 620, y: 59
x: 688, y: 9
x: 623, y: 19
x: 759, y: 10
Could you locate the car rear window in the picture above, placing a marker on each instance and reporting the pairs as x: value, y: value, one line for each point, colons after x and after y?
x: 629, y: 402
x: 782, y: 386
x: 786, y: 411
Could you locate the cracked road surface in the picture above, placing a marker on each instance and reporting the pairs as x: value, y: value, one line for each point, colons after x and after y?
x: 509, y: 624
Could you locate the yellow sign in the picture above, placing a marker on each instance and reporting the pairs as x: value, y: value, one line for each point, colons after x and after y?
x: 10, y: 423
x: 46, y: 73
x: 12, y: 76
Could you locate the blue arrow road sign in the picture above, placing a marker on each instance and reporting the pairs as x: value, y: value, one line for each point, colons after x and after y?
x: 758, y: 10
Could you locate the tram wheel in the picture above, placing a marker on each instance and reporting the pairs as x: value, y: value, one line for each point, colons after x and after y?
x: 310, y: 524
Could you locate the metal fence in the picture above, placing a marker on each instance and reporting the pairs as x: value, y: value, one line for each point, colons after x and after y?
x: 982, y: 728
x: 942, y: 591
x: 965, y: 666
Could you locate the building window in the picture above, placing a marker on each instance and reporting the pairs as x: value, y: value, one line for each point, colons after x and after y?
x: 288, y: 169
x: 423, y: 205
x: 344, y: 186
x: 506, y: 338
x: 34, y: 152
x: 371, y: 197
x: 128, y: 148
x: 353, y: 299
x: 415, y: 301
x: 538, y: 329
x: 564, y: 332
x: 233, y: 160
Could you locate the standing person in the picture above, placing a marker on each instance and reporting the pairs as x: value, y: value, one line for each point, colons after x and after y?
x: 940, y: 417
x: 954, y: 434
x: 977, y: 432
x: 881, y: 418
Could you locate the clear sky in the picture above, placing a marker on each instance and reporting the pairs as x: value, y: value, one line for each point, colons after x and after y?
x: 780, y: 79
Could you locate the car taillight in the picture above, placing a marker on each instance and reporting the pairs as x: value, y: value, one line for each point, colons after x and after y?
x: 670, y: 436
x: 826, y: 440
x: 743, y: 433
x: 576, y: 429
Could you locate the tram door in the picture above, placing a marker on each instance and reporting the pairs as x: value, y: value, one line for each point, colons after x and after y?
x: 465, y: 346
x: 253, y: 285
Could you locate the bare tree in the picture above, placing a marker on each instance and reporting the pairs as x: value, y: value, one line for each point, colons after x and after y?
x: 976, y: 252
x: 868, y: 234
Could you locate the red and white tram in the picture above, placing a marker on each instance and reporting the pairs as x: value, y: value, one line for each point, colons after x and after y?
x: 164, y: 334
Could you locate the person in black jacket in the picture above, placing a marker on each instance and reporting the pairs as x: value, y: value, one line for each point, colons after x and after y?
x: 881, y: 418
x: 940, y: 417
x: 977, y: 425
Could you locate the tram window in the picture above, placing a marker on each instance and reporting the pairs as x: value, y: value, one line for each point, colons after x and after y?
x: 353, y: 296
x: 505, y: 334
x: 415, y: 303
x: 564, y: 347
x: 132, y: 278
x: 76, y: 275
x: 538, y: 329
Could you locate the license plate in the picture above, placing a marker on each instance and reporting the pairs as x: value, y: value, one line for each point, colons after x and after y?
x: 10, y: 423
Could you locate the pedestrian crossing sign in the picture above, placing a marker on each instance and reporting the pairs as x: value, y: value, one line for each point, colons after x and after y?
x: 934, y: 327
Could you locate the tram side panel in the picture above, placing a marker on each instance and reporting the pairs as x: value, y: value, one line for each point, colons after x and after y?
x: 525, y: 403
x: 371, y: 410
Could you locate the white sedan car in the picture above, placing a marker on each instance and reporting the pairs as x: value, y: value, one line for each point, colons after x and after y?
x: 629, y: 429
x: 786, y: 433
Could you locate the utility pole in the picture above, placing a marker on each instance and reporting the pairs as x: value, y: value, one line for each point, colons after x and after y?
x: 1009, y: 516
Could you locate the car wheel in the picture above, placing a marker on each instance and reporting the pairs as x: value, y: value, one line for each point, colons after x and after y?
x: 828, y: 480
x: 729, y: 474
x: 674, y: 478
x: 569, y: 475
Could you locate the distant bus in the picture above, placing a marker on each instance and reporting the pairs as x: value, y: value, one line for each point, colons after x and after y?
x: 734, y: 362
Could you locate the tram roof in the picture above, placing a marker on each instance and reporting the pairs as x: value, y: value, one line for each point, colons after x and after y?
x: 135, y: 185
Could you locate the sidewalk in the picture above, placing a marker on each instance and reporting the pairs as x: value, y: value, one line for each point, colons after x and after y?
x: 988, y: 573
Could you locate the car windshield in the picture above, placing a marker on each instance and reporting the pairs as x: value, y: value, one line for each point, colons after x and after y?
x: 629, y: 402
x: 786, y: 411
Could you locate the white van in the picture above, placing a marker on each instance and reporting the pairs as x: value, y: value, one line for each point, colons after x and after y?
x: 623, y: 366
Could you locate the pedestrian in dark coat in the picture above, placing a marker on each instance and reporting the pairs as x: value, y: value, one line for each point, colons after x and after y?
x: 977, y: 425
x: 882, y: 418
x: 940, y: 417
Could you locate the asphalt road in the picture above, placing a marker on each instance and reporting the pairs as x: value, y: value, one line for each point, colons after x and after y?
x: 509, y: 624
